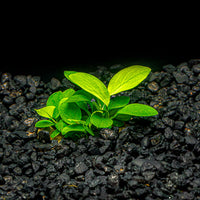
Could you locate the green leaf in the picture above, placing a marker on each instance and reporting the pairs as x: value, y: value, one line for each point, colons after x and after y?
x: 137, y: 109
x: 44, y: 123
x: 127, y: 78
x: 74, y: 121
x: 73, y: 127
x: 69, y: 111
x: 67, y: 73
x: 123, y: 117
x: 78, y: 98
x: 90, y: 84
x: 54, y: 100
x: 97, y: 118
x: 118, y: 102
x: 46, y: 111
x: 55, y: 133
x: 68, y: 93
x: 60, y: 125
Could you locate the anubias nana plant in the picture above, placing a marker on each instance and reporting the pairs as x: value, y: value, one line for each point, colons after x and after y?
x: 76, y: 113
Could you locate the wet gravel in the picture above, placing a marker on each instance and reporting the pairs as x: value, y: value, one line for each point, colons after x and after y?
x: 151, y: 158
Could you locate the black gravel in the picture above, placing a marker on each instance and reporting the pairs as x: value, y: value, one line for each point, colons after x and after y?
x: 151, y: 158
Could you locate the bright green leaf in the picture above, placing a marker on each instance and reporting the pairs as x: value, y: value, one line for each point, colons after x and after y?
x: 68, y: 93
x: 46, y: 111
x: 97, y: 118
x: 67, y: 73
x: 54, y: 100
x: 127, y: 78
x: 44, y: 123
x: 118, y: 102
x: 69, y: 111
x: 73, y: 127
x: 78, y: 98
x: 137, y: 109
x: 90, y: 84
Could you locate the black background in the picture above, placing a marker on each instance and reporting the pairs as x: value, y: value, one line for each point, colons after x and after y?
x: 49, y: 57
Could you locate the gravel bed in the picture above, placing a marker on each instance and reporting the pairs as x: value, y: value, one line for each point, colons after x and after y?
x: 151, y: 158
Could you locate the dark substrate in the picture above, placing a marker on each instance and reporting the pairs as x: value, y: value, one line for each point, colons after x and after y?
x: 152, y: 158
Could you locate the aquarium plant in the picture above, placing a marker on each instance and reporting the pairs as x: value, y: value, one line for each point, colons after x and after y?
x: 76, y: 113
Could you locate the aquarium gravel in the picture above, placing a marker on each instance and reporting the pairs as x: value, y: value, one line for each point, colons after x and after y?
x: 149, y: 158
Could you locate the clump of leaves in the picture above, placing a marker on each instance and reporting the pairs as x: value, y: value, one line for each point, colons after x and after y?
x: 76, y: 113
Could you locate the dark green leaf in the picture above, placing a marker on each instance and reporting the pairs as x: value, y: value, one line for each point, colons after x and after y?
x: 97, y: 119
x: 69, y: 111
x: 118, y: 123
x: 55, y: 133
x: 73, y: 127
x: 118, y: 102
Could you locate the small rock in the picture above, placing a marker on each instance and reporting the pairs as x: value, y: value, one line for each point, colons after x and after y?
x: 33, y: 81
x: 148, y: 175
x: 178, y: 125
x: 153, y: 86
x: 44, y: 137
x: 7, y: 100
x: 33, y: 89
x: 80, y: 168
x: 20, y: 80
x: 185, y: 196
x: 190, y: 140
x: 17, y: 171
x: 180, y: 77
x: 196, y: 68
x: 113, y: 179
x: 30, y: 95
x: 108, y: 134
x: 169, y: 68
x: 29, y: 121
x: 55, y: 84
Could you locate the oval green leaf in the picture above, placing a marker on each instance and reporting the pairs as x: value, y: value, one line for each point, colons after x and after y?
x: 54, y: 100
x: 44, y: 123
x: 69, y: 111
x: 68, y: 93
x: 90, y: 84
x: 118, y: 102
x: 46, y: 111
x: 127, y: 78
x: 98, y: 120
x: 73, y: 127
x: 139, y: 110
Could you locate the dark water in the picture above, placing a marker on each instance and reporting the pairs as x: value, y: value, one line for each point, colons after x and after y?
x: 52, y: 64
